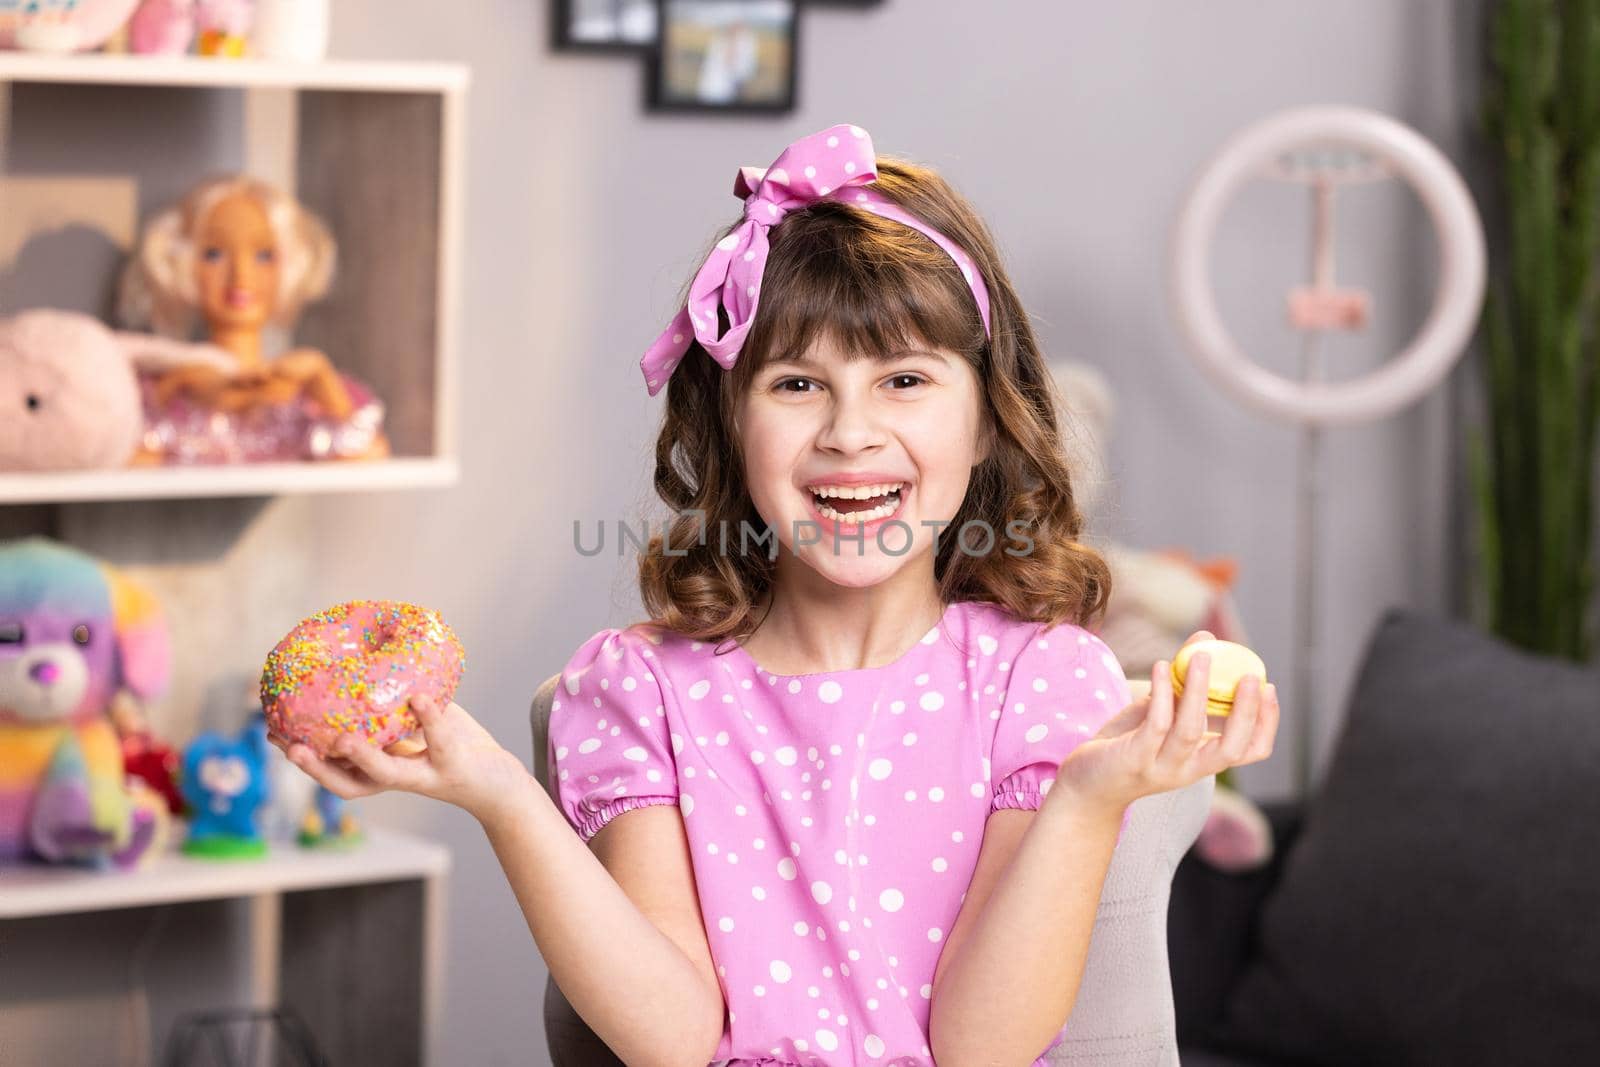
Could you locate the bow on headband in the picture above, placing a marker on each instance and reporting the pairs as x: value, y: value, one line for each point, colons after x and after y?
x: 836, y: 164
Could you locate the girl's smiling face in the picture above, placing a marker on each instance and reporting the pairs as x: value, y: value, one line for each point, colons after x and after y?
x: 908, y: 423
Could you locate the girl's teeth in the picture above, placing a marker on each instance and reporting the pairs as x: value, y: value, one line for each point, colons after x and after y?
x: 889, y: 507
x: 857, y: 492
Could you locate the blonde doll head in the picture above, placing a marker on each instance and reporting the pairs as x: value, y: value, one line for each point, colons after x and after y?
x: 236, y: 251
x: 865, y: 285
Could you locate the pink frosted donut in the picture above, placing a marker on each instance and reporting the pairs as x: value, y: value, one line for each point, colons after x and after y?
x: 352, y: 668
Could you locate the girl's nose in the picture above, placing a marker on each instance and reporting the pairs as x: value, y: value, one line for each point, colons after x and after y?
x: 852, y: 424
x: 44, y: 672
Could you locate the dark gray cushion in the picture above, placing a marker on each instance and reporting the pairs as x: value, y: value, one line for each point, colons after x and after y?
x: 1442, y: 904
x: 1198, y: 1057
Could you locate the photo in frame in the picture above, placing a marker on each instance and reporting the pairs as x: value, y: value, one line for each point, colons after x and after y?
x: 604, y: 25
x: 729, y: 56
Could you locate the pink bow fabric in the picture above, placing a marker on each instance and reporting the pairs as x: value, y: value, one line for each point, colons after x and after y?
x: 837, y: 163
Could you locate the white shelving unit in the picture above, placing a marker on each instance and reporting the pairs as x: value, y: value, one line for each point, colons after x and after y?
x: 376, y: 148
x: 44, y: 889
x: 323, y: 932
x: 348, y: 75
x: 255, y: 479
x: 93, y: 964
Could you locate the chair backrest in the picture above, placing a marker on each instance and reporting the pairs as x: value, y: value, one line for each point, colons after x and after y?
x: 566, y: 1035
x: 1124, y: 1011
x: 540, y: 716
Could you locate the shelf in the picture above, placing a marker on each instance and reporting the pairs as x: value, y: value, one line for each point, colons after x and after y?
x: 385, y: 856
x: 351, y: 941
x: 244, y: 479
x: 234, y: 73
x: 91, y: 145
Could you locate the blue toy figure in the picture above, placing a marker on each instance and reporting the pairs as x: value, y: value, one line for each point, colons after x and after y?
x: 225, y: 784
x: 328, y: 823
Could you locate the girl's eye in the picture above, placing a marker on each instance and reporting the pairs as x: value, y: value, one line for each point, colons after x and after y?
x: 266, y: 255
x: 915, y: 379
x: 782, y: 385
x: 212, y: 254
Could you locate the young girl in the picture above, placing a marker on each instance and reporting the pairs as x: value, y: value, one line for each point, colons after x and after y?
x: 851, y: 794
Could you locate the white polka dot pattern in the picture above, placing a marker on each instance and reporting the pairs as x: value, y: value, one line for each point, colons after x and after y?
x: 631, y: 768
x: 1063, y: 686
x: 833, y: 819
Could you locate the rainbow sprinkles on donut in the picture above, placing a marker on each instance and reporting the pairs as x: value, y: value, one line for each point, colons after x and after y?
x: 352, y: 669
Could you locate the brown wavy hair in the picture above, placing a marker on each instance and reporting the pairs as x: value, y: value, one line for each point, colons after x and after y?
x: 872, y: 285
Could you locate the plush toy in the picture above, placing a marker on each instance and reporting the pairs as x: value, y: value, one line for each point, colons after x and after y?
x: 1159, y: 598
x: 70, y: 389
x: 1161, y: 594
x: 73, y: 390
x: 61, y: 25
x: 72, y: 632
x: 162, y: 27
x: 224, y: 783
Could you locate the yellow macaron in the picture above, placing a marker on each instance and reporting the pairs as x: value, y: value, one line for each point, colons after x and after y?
x: 1230, y: 663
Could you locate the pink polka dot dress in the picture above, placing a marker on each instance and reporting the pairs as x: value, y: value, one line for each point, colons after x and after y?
x: 834, y: 818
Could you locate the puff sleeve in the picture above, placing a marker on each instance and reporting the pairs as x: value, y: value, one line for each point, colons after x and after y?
x: 609, y: 746
x: 1063, y: 686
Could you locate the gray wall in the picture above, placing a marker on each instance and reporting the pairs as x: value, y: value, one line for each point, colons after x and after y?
x: 1076, y: 127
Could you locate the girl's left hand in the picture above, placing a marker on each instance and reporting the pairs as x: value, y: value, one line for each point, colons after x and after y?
x: 1151, y: 747
x: 460, y: 763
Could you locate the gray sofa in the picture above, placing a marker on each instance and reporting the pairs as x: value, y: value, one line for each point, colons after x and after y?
x: 1436, y: 901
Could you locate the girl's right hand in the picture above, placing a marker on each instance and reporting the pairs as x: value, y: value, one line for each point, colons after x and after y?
x: 462, y: 764
x: 1157, y: 744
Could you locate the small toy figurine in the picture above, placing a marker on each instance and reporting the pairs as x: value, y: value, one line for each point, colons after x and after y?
x: 225, y: 784
x: 225, y: 27
x: 328, y: 823
x: 145, y: 756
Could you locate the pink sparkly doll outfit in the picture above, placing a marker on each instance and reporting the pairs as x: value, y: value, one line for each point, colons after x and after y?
x: 834, y: 818
x: 183, y: 432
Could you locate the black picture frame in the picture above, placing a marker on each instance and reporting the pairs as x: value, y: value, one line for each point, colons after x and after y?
x: 567, y: 37
x: 682, y: 25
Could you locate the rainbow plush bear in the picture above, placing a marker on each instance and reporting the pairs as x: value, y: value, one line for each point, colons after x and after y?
x: 73, y: 633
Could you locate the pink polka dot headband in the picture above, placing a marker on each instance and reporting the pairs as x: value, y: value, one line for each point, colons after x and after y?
x: 835, y: 164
